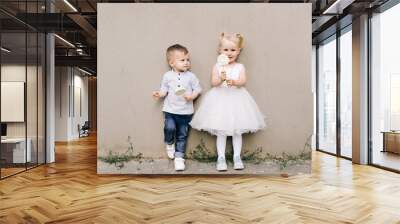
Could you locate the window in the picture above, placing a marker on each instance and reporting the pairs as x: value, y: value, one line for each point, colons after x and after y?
x: 327, y: 96
x: 346, y: 93
x: 385, y: 88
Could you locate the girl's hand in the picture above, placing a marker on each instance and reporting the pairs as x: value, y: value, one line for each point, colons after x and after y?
x: 230, y: 82
x: 223, y: 75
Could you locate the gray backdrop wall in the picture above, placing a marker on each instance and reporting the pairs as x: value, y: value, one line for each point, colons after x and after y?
x: 132, y: 39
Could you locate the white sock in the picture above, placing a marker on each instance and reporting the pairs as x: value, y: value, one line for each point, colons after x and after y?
x: 221, y: 144
x: 237, y: 144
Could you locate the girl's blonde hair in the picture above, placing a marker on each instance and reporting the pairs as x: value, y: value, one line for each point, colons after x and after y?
x: 236, y: 38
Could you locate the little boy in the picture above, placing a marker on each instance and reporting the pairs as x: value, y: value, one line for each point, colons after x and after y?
x: 180, y: 87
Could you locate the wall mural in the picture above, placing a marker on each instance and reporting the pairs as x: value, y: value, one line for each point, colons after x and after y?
x: 207, y: 89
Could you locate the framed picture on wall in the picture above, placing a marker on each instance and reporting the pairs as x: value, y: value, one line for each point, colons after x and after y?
x: 12, y: 101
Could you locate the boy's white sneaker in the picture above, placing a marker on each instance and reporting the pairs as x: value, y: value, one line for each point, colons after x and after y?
x: 221, y: 164
x: 170, y: 151
x: 237, y: 163
x: 179, y: 164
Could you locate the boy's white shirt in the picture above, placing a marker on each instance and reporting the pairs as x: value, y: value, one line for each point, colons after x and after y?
x: 178, y: 104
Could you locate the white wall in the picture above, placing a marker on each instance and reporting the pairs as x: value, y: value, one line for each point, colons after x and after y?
x: 68, y: 81
x: 80, y: 83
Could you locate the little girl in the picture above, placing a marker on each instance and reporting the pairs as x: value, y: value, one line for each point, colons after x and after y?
x: 228, y: 109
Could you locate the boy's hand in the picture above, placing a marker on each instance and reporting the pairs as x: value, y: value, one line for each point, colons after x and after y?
x: 156, y: 94
x: 189, y: 97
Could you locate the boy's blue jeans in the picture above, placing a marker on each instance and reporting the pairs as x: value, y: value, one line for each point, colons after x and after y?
x: 176, y: 126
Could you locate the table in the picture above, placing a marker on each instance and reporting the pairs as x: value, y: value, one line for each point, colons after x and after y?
x: 391, y: 141
x: 16, y: 147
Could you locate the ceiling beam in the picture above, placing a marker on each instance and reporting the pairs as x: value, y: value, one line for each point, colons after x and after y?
x: 84, y: 24
x: 337, y: 7
x: 85, y: 61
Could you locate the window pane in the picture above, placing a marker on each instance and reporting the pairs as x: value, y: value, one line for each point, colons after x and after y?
x: 346, y: 94
x: 327, y: 97
x: 385, y: 88
x: 14, y: 150
x: 31, y: 100
x: 41, y: 98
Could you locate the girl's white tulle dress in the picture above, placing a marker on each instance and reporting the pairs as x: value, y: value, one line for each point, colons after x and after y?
x: 228, y: 110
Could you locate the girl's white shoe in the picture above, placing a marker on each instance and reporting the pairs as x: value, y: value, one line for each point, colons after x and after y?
x: 221, y: 164
x: 179, y: 164
x: 237, y: 163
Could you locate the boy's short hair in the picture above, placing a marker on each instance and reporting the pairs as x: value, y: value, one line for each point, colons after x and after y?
x: 173, y: 48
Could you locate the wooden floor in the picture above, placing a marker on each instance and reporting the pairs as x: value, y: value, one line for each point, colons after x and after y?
x: 5, y: 172
x: 70, y: 191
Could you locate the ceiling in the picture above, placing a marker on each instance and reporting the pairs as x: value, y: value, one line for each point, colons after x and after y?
x: 76, y: 22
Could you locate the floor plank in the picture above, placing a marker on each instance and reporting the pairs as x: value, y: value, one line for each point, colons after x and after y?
x: 70, y: 191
